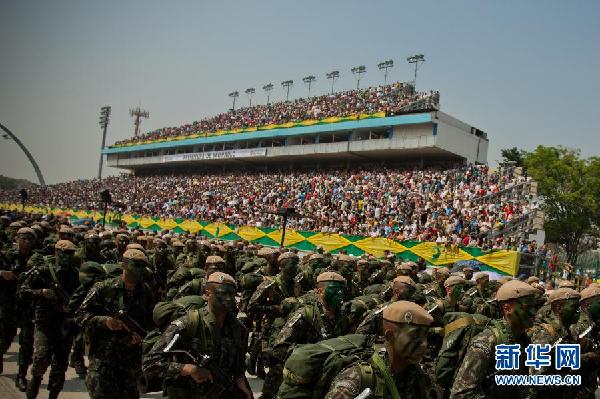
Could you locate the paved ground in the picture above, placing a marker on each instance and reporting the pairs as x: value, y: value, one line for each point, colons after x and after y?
x: 74, y: 386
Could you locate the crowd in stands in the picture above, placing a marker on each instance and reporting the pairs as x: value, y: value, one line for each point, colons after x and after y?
x: 452, y: 206
x: 391, y: 99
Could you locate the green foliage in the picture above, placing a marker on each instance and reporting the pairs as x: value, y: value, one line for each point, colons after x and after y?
x: 513, y: 155
x: 569, y: 187
x: 8, y: 183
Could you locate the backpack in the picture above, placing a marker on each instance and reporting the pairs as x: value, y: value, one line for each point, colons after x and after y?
x: 311, y: 368
x: 459, y: 329
x: 165, y: 313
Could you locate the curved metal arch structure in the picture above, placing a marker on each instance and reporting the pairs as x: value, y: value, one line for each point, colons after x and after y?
x: 38, y: 172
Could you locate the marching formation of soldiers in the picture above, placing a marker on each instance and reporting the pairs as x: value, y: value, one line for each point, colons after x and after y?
x: 190, y: 316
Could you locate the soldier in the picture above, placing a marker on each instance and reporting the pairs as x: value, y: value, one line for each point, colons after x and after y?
x: 190, y: 256
x: 89, y: 273
x: 474, y: 378
x: 315, y: 321
x: 51, y: 287
x: 346, y: 267
x: 91, y: 249
x: 393, y: 372
x: 264, y: 307
x: 453, y: 287
x: 468, y: 273
x: 403, y: 288
x: 588, y: 332
x: 480, y: 299
x: 361, y: 277
x: 440, y: 274
x: 564, y: 304
x: 14, y: 312
x: 533, y: 280
x: 116, y: 314
x: 216, y: 339
x: 162, y: 262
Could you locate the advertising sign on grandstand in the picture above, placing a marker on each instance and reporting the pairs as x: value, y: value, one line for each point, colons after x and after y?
x: 199, y: 156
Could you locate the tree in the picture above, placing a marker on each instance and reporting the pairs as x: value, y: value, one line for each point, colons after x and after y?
x: 513, y: 155
x: 569, y: 188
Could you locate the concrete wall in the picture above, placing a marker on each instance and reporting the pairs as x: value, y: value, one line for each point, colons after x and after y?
x: 456, y: 137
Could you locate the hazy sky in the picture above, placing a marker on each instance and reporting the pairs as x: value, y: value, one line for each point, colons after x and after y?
x: 526, y: 72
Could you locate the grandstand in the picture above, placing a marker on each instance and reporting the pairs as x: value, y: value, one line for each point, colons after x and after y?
x: 391, y: 125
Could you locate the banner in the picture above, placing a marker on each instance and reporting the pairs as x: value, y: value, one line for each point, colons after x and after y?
x: 499, y: 261
x: 199, y: 156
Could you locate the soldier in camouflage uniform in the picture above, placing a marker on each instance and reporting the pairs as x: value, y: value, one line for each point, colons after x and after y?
x: 394, y: 371
x: 361, y: 277
x: 190, y: 256
x: 346, y: 266
x: 15, y: 312
x: 115, y: 350
x: 264, y: 307
x: 310, y: 267
x: 564, y: 303
x: 475, y: 376
x: 161, y: 262
x: 436, y: 288
x: 51, y: 344
x: 315, y: 320
x: 91, y: 249
x: 587, y: 331
x: 480, y: 299
x: 403, y: 288
x: 212, y: 331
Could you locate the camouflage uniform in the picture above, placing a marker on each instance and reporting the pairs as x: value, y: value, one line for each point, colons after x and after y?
x: 479, y: 301
x: 16, y: 312
x: 475, y: 376
x: 412, y: 384
x: 114, y: 361
x: 226, y: 348
x: 51, y: 346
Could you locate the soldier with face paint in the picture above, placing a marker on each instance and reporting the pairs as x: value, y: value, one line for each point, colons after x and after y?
x: 115, y: 350
x: 564, y: 303
x: 394, y: 371
x: 316, y: 320
x: 587, y: 330
x: 51, y: 345
x: 16, y: 312
x: 403, y: 289
x: 475, y: 376
x: 213, y: 331
x: 265, y: 306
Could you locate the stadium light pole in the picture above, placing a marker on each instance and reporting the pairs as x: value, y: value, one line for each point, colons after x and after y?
x: 309, y: 80
x: 268, y: 88
x: 333, y: 75
x: 358, y: 71
x: 384, y: 66
x: 234, y: 95
x: 415, y: 59
x: 250, y: 93
x: 287, y: 84
x: 104, y: 120
x: 9, y: 135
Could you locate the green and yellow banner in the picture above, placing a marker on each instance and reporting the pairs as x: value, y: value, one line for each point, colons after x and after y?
x: 309, y: 122
x: 499, y: 261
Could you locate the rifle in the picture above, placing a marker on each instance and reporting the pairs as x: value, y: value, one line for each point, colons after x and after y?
x: 223, y: 386
x: 60, y: 292
x: 132, y: 325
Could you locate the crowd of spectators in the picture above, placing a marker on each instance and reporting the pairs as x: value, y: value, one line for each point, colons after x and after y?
x: 391, y: 99
x: 452, y: 206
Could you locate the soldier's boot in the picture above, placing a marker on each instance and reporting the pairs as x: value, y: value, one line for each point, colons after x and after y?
x: 33, y: 388
x: 53, y: 394
x: 21, y: 381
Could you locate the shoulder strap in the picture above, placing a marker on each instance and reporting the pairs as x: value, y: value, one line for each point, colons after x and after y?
x: 53, y: 273
x: 458, y: 324
x: 387, y: 376
x: 195, y: 323
x: 498, y: 334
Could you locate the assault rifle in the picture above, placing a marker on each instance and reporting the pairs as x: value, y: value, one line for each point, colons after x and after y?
x: 130, y: 323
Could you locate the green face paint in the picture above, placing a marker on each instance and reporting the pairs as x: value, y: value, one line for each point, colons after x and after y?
x: 65, y: 258
x: 594, y: 311
x: 224, y: 298
x: 289, y: 269
x: 410, y: 343
x: 570, y: 312
x: 135, y: 271
x: 333, y: 294
x: 456, y: 292
x: 524, y: 312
